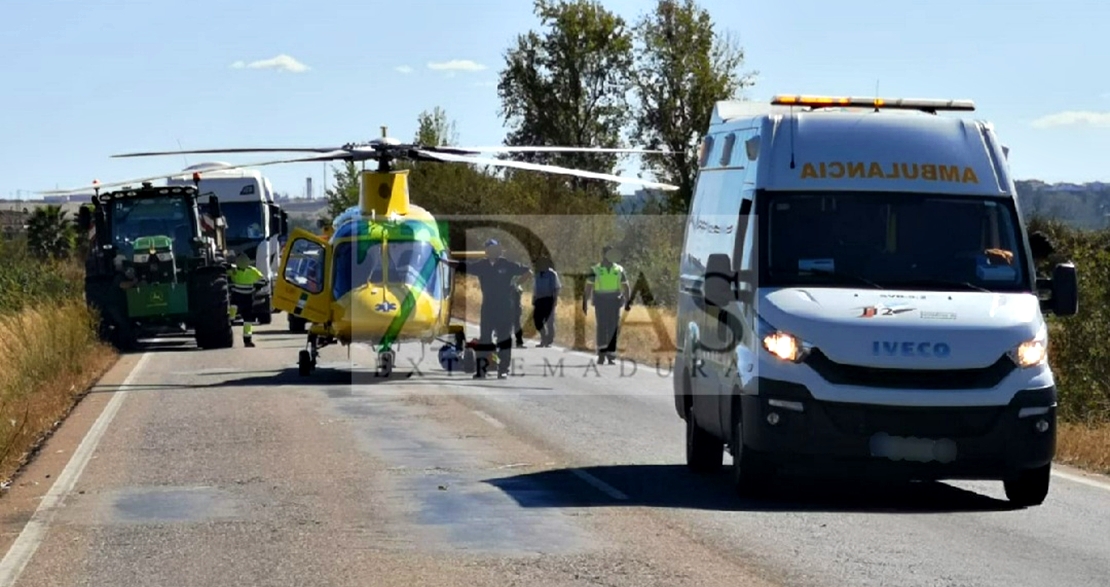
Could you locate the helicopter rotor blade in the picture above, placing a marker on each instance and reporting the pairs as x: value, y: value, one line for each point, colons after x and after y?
x: 232, y: 150
x: 539, y: 149
x: 188, y: 174
x: 546, y: 168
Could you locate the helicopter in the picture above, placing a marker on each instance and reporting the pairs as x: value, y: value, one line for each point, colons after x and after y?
x: 384, y: 275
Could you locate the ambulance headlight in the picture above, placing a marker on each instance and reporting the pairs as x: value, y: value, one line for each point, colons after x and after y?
x: 1031, y: 352
x: 781, y: 344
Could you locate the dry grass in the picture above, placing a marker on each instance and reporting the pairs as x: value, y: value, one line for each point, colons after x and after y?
x: 1083, y: 446
x: 641, y: 340
x: 647, y: 337
x: 49, y: 357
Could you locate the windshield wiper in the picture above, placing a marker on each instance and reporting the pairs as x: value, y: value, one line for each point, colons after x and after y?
x: 935, y: 282
x: 834, y: 273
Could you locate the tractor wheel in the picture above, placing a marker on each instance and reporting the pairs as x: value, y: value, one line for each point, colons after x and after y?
x: 211, y: 308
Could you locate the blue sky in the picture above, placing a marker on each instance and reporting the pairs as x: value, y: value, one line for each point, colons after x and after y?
x: 84, y: 80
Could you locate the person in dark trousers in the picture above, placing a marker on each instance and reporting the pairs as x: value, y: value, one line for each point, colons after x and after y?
x: 545, y: 297
x: 518, y: 314
x: 497, y: 277
x: 608, y: 287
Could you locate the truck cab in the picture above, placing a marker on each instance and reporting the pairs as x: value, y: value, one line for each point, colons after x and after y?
x: 859, y: 294
x: 255, y: 223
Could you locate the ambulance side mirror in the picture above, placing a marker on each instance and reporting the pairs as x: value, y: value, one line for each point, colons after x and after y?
x: 719, y: 284
x: 1065, y: 290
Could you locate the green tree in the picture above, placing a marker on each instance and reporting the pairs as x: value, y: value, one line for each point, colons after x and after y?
x: 346, y: 190
x: 50, y: 233
x: 684, y: 69
x: 567, y: 86
x: 435, y: 130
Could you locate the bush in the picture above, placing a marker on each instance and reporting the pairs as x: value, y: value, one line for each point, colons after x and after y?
x: 49, y: 351
x: 26, y: 281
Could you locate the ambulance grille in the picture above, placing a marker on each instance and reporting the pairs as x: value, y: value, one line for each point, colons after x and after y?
x: 841, y: 374
x: 918, y: 422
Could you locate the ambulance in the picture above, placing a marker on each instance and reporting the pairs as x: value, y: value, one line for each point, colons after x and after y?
x: 858, y: 296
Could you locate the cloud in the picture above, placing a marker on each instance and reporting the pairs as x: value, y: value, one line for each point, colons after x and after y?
x: 403, y: 69
x: 1073, y: 118
x: 282, y: 62
x: 457, y: 65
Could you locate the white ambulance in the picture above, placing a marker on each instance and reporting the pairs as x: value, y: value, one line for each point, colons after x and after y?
x: 858, y: 295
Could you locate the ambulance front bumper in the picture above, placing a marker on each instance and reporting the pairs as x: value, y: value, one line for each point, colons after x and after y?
x: 784, y: 421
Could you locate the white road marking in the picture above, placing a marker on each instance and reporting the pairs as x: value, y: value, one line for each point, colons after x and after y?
x: 1083, y: 480
x: 33, y: 533
x: 600, y: 485
x: 490, y: 419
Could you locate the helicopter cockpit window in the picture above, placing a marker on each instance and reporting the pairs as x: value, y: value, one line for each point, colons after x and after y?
x: 357, y: 263
x: 305, y: 267
x: 414, y: 263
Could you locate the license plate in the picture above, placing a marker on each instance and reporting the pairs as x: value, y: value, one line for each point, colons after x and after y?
x: 921, y: 450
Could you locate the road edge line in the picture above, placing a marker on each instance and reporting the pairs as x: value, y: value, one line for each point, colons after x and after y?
x: 27, y: 543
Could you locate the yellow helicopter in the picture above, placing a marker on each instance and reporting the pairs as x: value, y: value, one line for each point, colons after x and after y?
x: 383, y: 275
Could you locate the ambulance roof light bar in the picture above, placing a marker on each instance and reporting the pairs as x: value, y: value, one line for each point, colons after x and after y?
x: 925, y: 105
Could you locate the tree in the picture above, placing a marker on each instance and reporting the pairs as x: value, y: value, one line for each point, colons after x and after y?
x: 684, y: 69
x: 50, y: 234
x: 346, y: 191
x: 434, y: 129
x: 567, y: 86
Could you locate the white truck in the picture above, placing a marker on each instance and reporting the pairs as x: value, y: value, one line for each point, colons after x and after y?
x: 858, y: 295
x: 255, y: 223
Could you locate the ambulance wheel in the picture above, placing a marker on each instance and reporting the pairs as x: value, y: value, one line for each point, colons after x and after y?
x: 385, y: 364
x: 1029, y: 487
x: 469, y: 363
x: 752, y: 473
x: 704, y: 452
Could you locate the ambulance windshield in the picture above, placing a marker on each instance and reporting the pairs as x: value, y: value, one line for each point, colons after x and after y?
x: 892, y: 241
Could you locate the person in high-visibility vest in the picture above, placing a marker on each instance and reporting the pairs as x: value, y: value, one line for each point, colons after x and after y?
x: 244, y: 280
x: 609, y: 289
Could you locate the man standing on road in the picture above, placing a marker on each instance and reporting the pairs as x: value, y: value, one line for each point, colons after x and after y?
x: 608, y: 286
x: 518, y: 314
x: 545, y: 297
x: 497, y: 276
x: 245, y: 279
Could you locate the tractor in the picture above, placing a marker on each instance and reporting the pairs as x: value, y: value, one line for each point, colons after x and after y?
x: 157, y: 265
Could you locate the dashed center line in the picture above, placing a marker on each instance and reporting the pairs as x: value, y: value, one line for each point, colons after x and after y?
x: 489, y: 419
x: 600, y: 485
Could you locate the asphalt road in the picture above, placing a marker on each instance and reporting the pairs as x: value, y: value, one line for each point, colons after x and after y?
x: 206, y: 468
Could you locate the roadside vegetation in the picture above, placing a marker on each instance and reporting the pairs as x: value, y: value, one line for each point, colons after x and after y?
x: 49, y: 351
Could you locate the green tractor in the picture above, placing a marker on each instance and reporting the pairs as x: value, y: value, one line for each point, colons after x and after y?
x: 156, y: 265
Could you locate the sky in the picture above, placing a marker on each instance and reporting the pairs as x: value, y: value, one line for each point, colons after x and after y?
x: 86, y: 80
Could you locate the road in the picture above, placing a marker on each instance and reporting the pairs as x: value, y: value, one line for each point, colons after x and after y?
x: 217, y: 468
